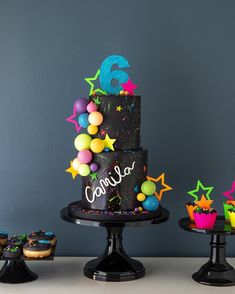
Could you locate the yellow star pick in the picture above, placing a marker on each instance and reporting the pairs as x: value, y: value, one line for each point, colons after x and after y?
x: 119, y: 108
x: 72, y: 171
x: 162, y: 179
x: 204, y: 203
x: 108, y: 142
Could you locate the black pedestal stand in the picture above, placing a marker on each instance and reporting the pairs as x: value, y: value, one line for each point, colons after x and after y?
x: 16, y: 272
x: 217, y: 271
x: 114, y: 264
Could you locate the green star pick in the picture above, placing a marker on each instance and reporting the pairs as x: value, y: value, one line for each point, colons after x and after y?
x: 89, y: 81
x: 97, y: 100
x: 204, y: 188
x: 93, y: 176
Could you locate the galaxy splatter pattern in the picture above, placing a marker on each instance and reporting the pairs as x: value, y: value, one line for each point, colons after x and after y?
x: 121, y: 120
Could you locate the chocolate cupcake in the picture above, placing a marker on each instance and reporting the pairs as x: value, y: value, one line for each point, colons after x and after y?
x: 42, y: 235
x: 37, y: 249
x: 11, y: 252
x: 16, y: 241
x: 3, y: 238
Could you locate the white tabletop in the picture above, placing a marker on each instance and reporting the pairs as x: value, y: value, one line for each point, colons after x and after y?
x: 163, y: 275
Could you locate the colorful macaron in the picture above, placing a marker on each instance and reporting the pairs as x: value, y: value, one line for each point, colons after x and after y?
x: 37, y: 249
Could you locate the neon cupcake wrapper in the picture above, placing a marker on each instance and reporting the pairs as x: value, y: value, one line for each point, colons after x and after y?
x: 232, y: 218
x: 190, y: 210
x: 226, y: 208
x: 205, y: 220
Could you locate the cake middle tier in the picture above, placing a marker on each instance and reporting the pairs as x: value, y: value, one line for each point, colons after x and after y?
x: 117, y: 181
x: 121, y: 119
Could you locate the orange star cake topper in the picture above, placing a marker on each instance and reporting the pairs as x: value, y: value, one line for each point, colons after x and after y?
x: 204, y: 203
x: 166, y: 187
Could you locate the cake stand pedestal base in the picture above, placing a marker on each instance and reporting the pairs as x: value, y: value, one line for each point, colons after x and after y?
x: 16, y: 272
x: 217, y: 271
x: 114, y: 265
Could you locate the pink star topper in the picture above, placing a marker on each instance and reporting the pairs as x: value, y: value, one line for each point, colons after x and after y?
x: 229, y: 192
x: 74, y: 121
x: 129, y: 86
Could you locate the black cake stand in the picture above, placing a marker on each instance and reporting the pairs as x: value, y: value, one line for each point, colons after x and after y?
x: 217, y: 271
x: 16, y: 271
x: 114, y: 265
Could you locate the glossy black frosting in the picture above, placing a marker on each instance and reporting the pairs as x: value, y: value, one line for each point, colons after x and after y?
x: 16, y: 241
x: 11, y: 251
x: 37, y: 246
x: 124, y: 125
x: 41, y: 235
x: 123, y: 195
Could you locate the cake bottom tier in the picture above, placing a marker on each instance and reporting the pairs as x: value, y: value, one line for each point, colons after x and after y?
x: 114, y: 187
x: 76, y: 210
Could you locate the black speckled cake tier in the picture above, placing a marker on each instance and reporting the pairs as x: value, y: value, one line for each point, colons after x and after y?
x: 123, y: 125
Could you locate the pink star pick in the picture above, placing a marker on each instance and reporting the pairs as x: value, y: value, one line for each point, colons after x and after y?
x: 229, y: 192
x: 129, y: 86
x: 74, y: 121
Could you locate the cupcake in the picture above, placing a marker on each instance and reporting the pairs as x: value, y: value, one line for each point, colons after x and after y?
x: 191, y: 206
x: 204, y: 215
x: 3, y: 238
x: 16, y: 241
x: 42, y: 235
x: 205, y: 218
x: 231, y: 213
x: 228, y: 205
x: 37, y: 249
x: 11, y: 252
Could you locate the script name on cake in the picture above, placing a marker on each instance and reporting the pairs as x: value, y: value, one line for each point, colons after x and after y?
x: 109, y: 181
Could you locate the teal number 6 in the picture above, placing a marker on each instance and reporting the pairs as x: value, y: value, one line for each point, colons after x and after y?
x: 107, y: 75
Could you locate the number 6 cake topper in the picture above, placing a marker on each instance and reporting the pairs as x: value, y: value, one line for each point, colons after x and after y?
x: 107, y: 75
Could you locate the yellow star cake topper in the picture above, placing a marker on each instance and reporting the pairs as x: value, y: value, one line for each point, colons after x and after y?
x: 108, y: 142
x: 72, y: 171
x: 204, y: 203
x: 166, y: 187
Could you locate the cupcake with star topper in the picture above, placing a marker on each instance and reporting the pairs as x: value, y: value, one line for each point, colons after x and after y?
x: 230, y: 202
x: 192, y: 205
x: 204, y: 214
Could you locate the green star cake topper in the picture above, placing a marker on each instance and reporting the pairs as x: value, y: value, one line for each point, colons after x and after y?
x: 194, y: 193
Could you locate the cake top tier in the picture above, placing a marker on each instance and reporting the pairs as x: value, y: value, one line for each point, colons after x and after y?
x: 121, y: 119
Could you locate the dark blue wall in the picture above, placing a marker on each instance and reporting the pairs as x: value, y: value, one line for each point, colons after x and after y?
x: 182, y: 54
